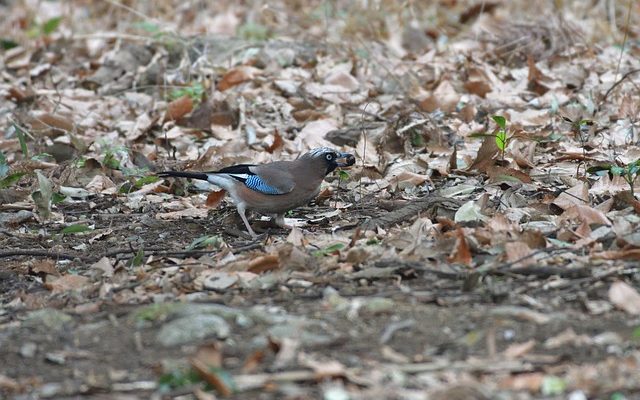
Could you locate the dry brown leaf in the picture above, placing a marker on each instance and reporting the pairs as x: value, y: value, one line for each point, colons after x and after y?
x: 484, y: 159
x: 444, y: 98
x: 516, y: 350
x: 296, y: 237
x: 568, y: 337
x: 322, y: 368
x: 277, y: 144
x: 264, y: 263
x: 236, y: 76
x: 535, y: 78
x: 625, y: 297
x: 499, y: 174
x: 178, y: 108
x: 214, y: 198
x: 253, y: 361
x: 308, y: 115
x: 409, y: 179
x: 527, y: 381
x: 51, y: 125
x: 206, y: 362
x: 9, y: 384
x: 479, y: 88
x: 586, y: 214
x: 577, y: 195
x: 461, y: 252
x: 66, y: 283
x: 518, y: 251
x: 45, y: 267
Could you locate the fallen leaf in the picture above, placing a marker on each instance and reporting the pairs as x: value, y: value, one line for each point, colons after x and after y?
x: 277, y: 144
x: 66, y: 283
x: 264, y: 263
x: 214, y: 198
x: 625, y: 297
x: 461, y: 252
x: 178, y: 108
x: 516, y: 350
x: 45, y: 267
x: 236, y: 76
x: 577, y: 195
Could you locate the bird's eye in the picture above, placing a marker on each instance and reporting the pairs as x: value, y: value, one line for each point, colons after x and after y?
x: 329, y: 156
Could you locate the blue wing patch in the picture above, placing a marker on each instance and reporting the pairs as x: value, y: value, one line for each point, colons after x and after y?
x: 256, y: 183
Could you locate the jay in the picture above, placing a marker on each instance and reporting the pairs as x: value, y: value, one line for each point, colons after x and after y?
x: 276, y: 187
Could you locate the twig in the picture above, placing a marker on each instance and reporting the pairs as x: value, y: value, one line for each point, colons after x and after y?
x: 625, y: 76
x: 155, y: 251
x: 38, y: 253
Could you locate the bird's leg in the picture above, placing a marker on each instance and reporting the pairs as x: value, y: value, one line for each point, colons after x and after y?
x: 279, y: 220
x: 241, y: 210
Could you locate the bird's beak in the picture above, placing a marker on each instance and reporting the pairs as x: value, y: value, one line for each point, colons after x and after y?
x: 345, y: 160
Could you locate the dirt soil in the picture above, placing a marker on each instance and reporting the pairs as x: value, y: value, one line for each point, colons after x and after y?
x: 484, y: 246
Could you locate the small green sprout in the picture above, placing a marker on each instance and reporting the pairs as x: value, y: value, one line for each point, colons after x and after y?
x: 628, y: 172
x: 502, y: 140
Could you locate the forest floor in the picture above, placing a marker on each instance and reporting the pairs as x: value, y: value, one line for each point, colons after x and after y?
x: 485, y: 245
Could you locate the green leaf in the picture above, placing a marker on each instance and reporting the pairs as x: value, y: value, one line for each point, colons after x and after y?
x: 417, y: 140
x: 51, y: 25
x: 205, y: 242
x: 328, y: 250
x: 343, y: 175
x: 195, y: 91
x: 4, y: 165
x: 7, y: 44
x: 553, y: 386
x: 636, y: 333
x: 618, y: 396
x: 252, y: 31
x: 42, y: 157
x: 11, y: 179
x: 76, y: 228
x: 615, y: 170
x: 57, y: 198
x: 145, y: 180
x: 22, y: 140
x: 177, y: 379
x: 110, y: 161
x: 501, y: 139
x: 501, y: 121
x: 598, y: 169
x: 147, y: 26
x: 138, y: 259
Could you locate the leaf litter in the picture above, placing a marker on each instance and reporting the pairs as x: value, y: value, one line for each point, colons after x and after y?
x: 483, y: 246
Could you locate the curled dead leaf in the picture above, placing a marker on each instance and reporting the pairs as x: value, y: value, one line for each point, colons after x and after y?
x: 214, y: 198
x: 264, y: 263
x: 66, y: 283
x: 625, y: 297
x: 236, y: 76
x: 277, y: 144
x: 178, y: 108
x: 461, y: 252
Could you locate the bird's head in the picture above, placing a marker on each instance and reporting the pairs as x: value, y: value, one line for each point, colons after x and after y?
x: 330, y: 158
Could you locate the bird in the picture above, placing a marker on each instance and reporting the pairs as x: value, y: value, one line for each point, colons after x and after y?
x: 276, y: 187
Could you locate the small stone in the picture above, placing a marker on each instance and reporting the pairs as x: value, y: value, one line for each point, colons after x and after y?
x: 49, y: 390
x: 28, y: 350
x: 56, y: 358
x: 192, y: 328
x: 47, y: 318
x: 219, y: 281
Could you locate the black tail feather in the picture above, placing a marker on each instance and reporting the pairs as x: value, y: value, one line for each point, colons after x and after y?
x: 183, y: 174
